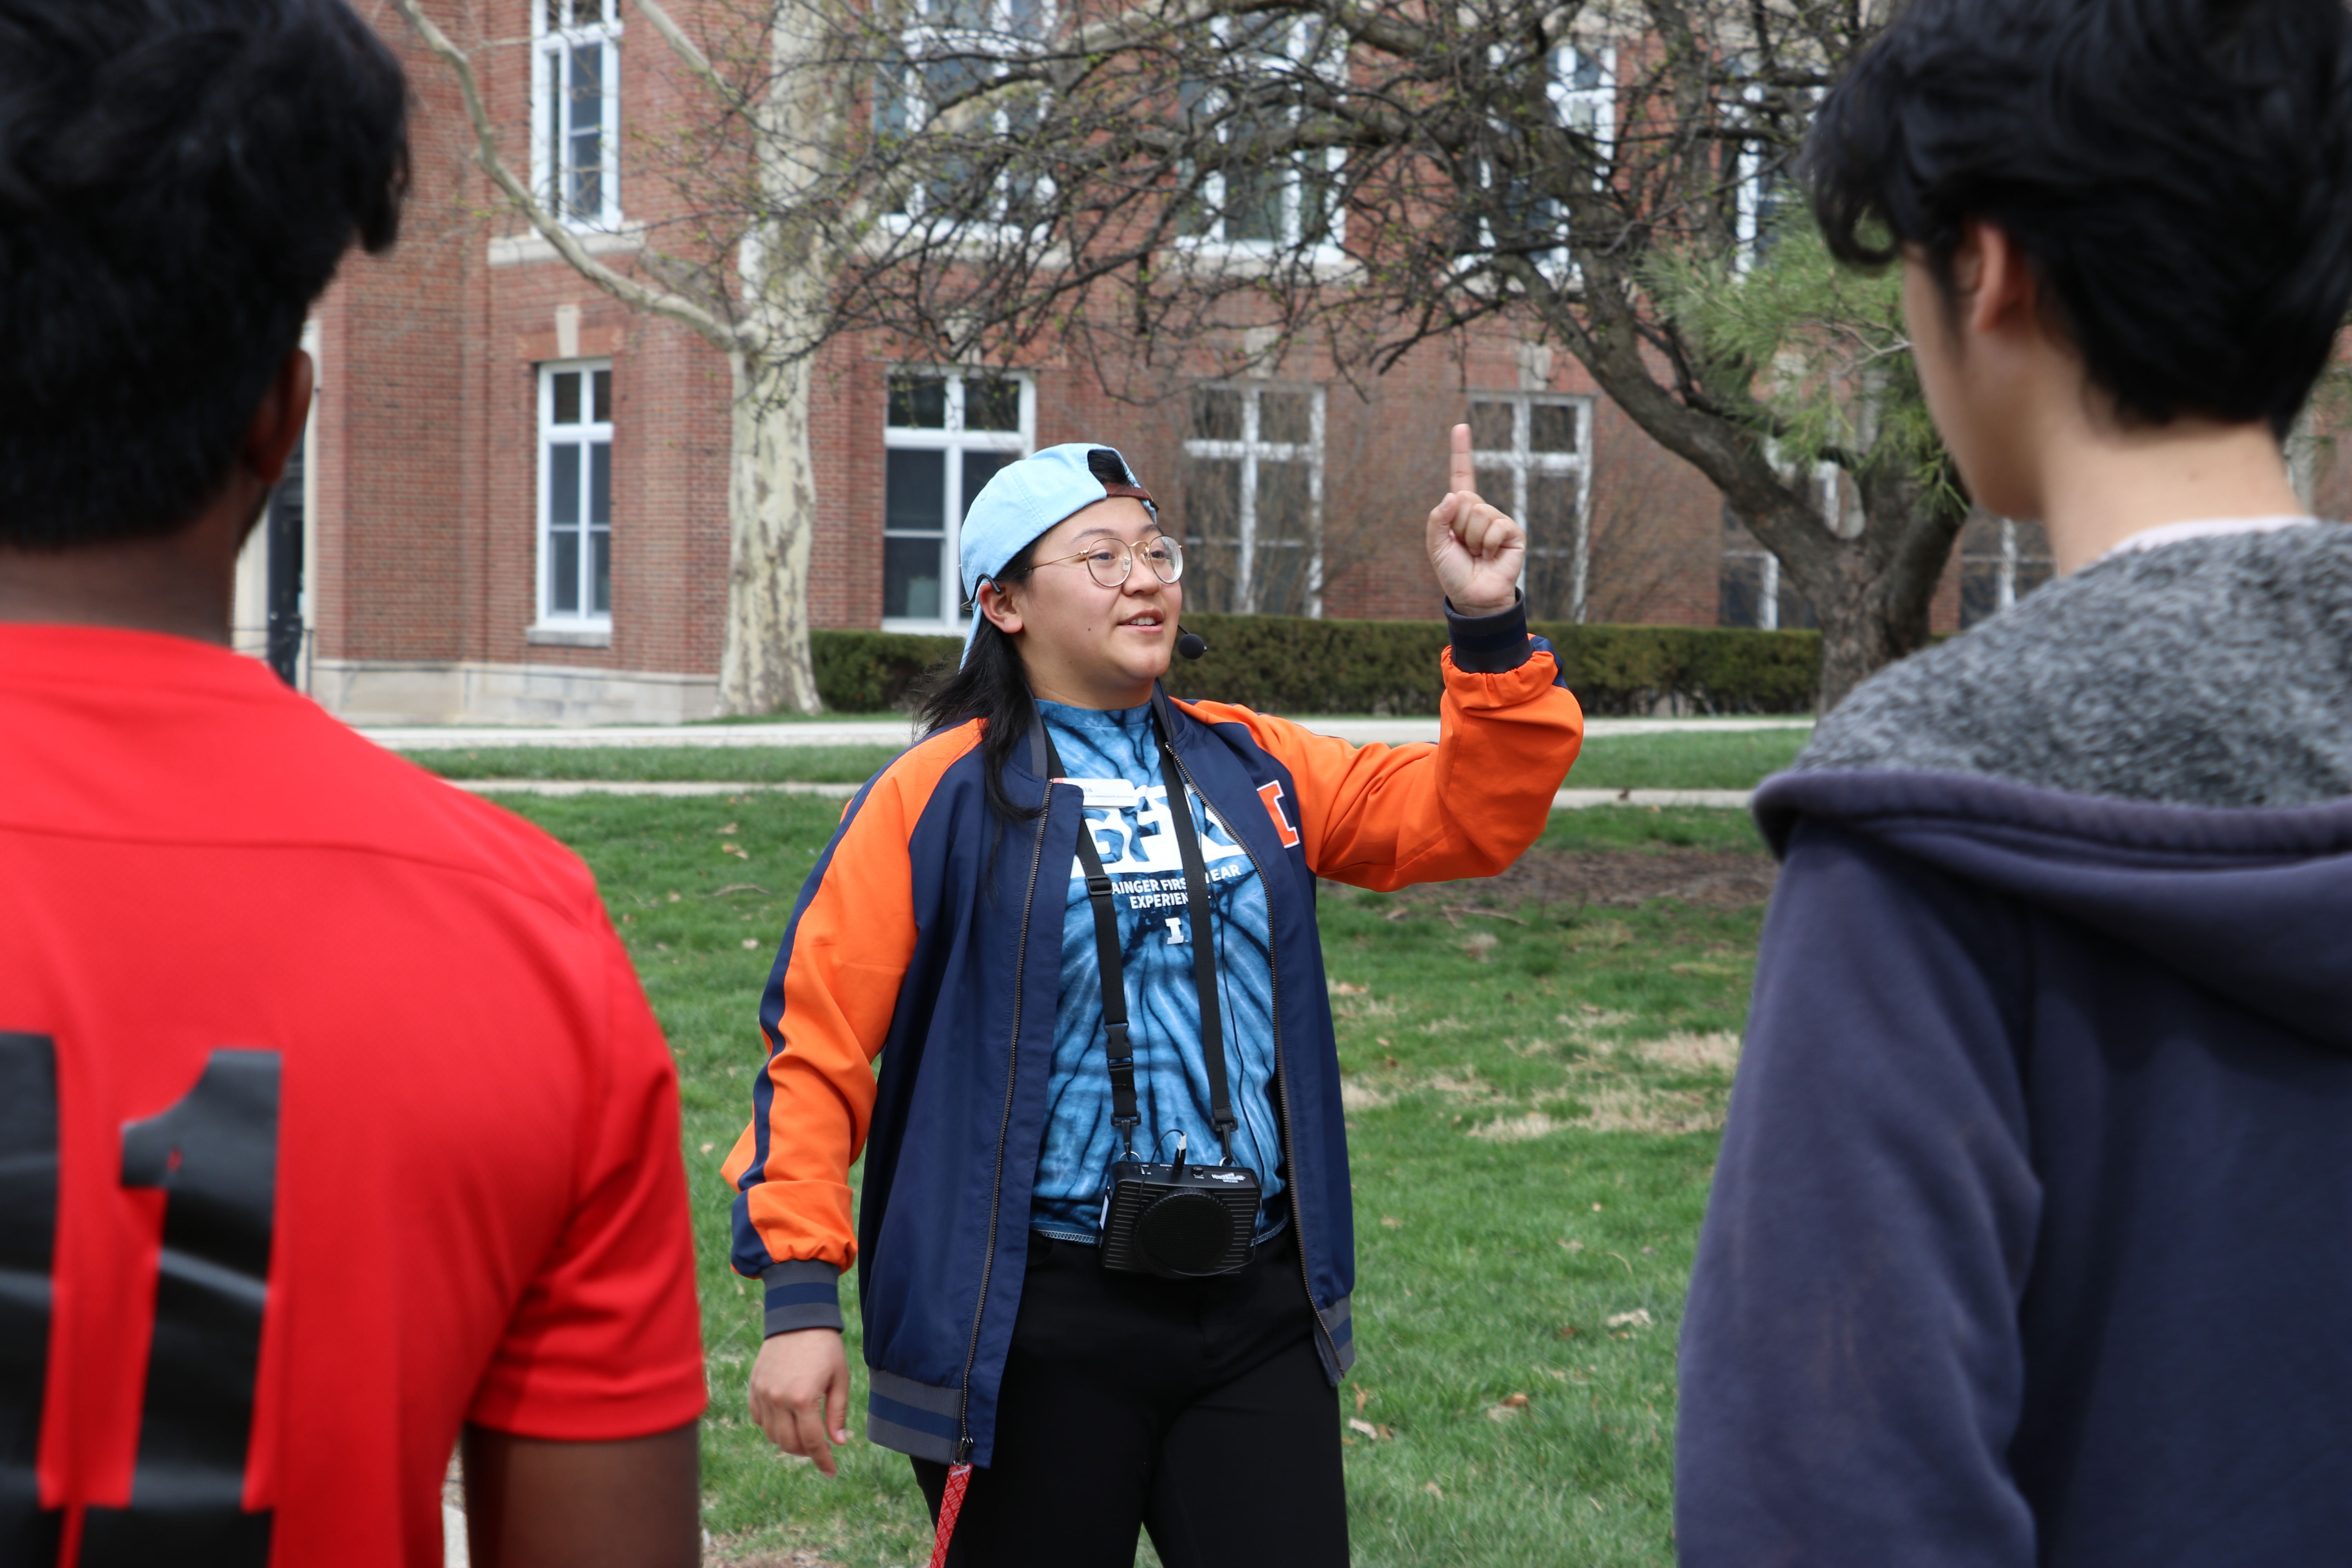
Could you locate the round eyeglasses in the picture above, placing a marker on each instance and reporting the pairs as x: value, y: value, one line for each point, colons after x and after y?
x: 1109, y: 561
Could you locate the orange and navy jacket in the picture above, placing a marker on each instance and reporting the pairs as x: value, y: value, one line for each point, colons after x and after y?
x: 928, y: 936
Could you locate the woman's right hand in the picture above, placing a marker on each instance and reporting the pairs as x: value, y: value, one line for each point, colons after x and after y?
x: 800, y: 1393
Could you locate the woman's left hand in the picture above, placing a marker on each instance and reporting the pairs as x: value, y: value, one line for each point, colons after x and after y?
x: 1479, y: 553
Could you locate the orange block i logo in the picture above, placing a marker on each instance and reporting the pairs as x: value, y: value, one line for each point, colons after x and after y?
x: 1272, y: 795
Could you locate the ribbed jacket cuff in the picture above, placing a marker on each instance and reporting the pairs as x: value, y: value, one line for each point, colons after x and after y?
x: 1490, y: 644
x: 801, y: 1294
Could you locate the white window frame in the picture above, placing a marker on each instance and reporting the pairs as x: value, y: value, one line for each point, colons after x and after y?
x: 590, y: 432
x: 1574, y: 107
x: 953, y: 440
x: 1524, y: 463
x: 998, y: 38
x: 1297, y: 47
x: 1747, y: 195
x: 1250, y: 451
x: 558, y: 27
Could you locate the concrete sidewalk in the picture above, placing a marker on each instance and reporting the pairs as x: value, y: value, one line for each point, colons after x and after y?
x: 1566, y: 800
x: 896, y: 732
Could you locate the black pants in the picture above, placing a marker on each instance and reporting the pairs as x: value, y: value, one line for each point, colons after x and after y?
x: 1195, y: 1408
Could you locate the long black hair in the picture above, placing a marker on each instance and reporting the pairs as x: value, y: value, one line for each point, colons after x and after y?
x: 992, y: 684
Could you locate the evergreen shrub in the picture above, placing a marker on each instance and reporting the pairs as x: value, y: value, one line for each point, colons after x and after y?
x: 1288, y: 664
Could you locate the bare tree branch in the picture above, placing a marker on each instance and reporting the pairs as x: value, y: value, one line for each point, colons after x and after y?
x: 690, y: 54
x: 726, y: 336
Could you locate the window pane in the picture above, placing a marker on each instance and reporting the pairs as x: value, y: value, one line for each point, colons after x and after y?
x: 600, y: 485
x: 1285, y: 417
x: 1495, y: 486
x: 1285, y: 527
x: 567, y: 397
x: 563, y: 572
x: 1583, y: 72
x: 979, y: 468
x: 914, y: 491
x: 1213, y: 497
x: 599, y: 571
x: 1979, y: 591
x: 1254, y: 202
x: 602, y: 413
x: 1552, y: 427
x: 1490, y: 427
x: 587, y: 88
x: 910, y: 577
x: 1217, y: 414
x: 992, y: 402
x: 1742, y: 588
x: 563, y: 486
x: 1551, y: 523
x: 585, y: 146
x: 919, y: 402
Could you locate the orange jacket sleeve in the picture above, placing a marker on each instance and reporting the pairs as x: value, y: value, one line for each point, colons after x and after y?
x: 1386, y: 816
x: 848, y: 951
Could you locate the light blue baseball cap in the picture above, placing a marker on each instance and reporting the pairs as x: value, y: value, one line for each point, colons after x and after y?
x: 1023, y: 500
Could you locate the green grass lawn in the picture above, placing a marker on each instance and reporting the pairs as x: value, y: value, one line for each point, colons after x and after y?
x: 1533, y: 1093
x: 1679, y: 760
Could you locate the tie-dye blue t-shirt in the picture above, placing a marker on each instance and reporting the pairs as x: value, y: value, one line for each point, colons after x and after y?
x: 1115, y: 757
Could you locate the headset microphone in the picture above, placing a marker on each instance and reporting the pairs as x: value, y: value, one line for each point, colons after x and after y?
x: 1191, y: 644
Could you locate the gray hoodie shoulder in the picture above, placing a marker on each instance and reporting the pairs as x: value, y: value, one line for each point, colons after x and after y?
x: 2215, y: 672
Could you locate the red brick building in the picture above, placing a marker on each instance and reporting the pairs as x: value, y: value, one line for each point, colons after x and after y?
x: 515, y: 491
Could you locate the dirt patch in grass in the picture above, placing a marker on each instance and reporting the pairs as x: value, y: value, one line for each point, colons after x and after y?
x: 1711, y: 878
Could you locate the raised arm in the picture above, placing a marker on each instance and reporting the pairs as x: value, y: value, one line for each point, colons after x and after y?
x: 1384, y: 816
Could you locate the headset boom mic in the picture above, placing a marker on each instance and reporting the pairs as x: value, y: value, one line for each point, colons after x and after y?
x: 1191, y: 644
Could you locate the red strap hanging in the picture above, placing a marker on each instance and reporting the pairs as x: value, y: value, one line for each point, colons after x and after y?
x: 951, y: 1504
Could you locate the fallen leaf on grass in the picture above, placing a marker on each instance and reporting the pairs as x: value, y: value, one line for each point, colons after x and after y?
x: 708, y: 1147
x: 1571, y: 1246
x: 1507, y: 1408
x: 1639, y: 1317
x: 1376, y: 1434
x: 1390, y: 1221
x: 1480, y: 945
x: 724, y: 832
x: 1341, y: 988
x: 749, y: 942
x: 1363, y: 1397
x: 1433, y: 1490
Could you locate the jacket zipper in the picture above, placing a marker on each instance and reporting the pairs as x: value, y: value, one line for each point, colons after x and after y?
x: 1281, y: 1075
x: 1004, y: 1131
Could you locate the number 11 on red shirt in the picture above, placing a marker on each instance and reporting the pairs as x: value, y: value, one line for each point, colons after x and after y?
x: 215, y: 1156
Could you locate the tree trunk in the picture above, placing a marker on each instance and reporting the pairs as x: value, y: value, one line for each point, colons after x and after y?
x: 772, y: 514
x: 1890, y: 574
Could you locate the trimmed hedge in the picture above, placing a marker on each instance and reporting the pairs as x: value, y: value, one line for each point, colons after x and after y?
x: 1287, y: 664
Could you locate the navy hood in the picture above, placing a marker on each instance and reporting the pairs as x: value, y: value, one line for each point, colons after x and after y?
x: 2253, y: 904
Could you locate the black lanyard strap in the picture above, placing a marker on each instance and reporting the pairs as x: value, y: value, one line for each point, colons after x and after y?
x: 1112, y: 972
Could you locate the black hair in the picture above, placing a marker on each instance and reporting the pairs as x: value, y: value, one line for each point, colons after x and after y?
x: 992, y: 684
x: 178, y: 180
x: 2177, y: 173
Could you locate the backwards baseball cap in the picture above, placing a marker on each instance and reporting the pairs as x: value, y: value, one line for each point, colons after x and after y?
x: 1023, y: 500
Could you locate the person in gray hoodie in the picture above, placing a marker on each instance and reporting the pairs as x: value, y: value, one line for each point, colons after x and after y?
x: 2031, y: 1241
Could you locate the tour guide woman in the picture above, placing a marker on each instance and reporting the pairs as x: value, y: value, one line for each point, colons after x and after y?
x: 1155, y: 1344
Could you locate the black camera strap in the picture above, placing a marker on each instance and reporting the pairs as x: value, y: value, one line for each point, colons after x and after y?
x: 1112, y: 970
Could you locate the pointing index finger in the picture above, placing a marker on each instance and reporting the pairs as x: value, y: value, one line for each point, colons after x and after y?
x: 1462, y: 477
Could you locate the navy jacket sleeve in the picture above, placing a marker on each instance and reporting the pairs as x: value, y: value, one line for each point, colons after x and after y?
x: 1850, y: 1365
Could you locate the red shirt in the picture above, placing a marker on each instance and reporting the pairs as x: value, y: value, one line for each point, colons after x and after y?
x: 391, y: 1059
